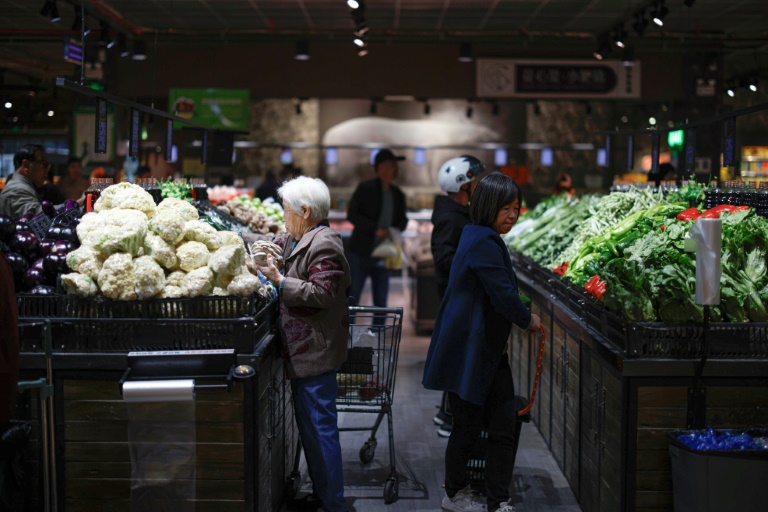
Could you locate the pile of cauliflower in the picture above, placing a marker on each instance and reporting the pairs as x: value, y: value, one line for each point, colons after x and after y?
x: 131, y: 249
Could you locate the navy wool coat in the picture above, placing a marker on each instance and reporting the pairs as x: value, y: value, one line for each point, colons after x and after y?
x: 475, y: 317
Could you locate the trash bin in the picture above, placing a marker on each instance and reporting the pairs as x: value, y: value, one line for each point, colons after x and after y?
x: 717, y: 480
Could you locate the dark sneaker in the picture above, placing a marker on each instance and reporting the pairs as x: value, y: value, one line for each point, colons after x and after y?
x: 441, y: 418
x: 445, y: 430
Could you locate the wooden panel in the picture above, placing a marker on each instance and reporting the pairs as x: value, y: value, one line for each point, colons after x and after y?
x: 653, y: 460
x: 170, y: 411
x: 121, y: 489
x: 662, y: 396
x: 103, y: 431
x: 654, y: 500
x: 89, y: 470
x: 654, y: 481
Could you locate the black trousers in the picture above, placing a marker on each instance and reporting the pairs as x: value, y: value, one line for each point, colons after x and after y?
x: 497, y: 416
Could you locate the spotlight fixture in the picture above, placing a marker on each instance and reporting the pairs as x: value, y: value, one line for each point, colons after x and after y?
x: 620, y: 37
x: 652, y: 121
x: 752, y: 84
x: 628, y: 57
x: 139, y: 51
x: 730, y: 92
x: 624, y: 119
x: 359, y: 41
x: 363, y: 52
x: 50, y: 113
x: 302, y: 50
x: 78, y: 24
x: 122, y: 45
x: 8, y: 105
x: 50, y: 10
x: 106, y: 39
x: 465, y: 52
x: 640, y: 24
x: 659, y: 14
x: 361, y: 29
x: 603, y: 47
x: 353, y: 4
x: 374, y: 108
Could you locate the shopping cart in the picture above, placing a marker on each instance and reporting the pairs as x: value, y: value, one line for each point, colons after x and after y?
x: 367, y: 383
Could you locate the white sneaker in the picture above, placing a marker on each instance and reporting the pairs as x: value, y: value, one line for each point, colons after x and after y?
x: 464, y: 501
x: 505, y: 506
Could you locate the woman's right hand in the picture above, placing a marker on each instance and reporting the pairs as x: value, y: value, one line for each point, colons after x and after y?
x: 535, y: 324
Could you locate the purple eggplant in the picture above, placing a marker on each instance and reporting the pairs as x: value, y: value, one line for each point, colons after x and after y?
x: 17, y: 262
x: 20, y: 225
x: 32, y: 278
x: 42, y: 289
x: 46, y: 246
x: 27, y: 216
x: 55, y: 264
x: 53, y: 233
x: 70, y: 204
x: 62, y: 247
x: 48, y: 208
x: 25, y: 243
x: 38, y: 264
x: 69, y: 233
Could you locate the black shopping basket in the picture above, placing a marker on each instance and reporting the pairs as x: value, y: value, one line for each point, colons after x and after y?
x: 476, y: 463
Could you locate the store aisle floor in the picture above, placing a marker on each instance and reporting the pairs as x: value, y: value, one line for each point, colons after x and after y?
x: 538, y: 484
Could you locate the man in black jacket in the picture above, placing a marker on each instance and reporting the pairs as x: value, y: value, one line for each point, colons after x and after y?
x: 376, y: 206
x: 449, y: 216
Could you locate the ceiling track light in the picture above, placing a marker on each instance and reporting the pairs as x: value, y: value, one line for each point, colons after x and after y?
x: 79, y: 24
x: 359, y: 41
x: 628, y: 57
x: 660, y: 13
x: 752, y: 84
x: 362, y: 52
x: 353, y: 4
x: 122, y: 45
x: 302, y: 50
x: 640, y: 24
x: 603, y: 48
x: 139, y: 50
x: 465, y: 52
x: 620, y: 37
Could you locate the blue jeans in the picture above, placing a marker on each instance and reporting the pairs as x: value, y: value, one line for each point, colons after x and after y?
x: 314, y: 400
x: 363, y: 266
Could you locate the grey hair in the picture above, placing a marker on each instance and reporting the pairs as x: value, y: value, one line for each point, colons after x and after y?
x: 309, y: 192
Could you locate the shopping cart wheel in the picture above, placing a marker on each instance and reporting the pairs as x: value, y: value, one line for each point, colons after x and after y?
x: 367, y: 451
x: 390, y: 490
x: 292, y: 485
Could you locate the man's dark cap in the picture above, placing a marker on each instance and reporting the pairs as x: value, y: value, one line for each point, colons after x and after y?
x: 385, y: 154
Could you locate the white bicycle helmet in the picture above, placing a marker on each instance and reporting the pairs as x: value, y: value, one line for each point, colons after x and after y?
x: 457, y: 171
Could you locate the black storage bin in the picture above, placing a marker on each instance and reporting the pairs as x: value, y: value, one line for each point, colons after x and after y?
x: 715, y: 480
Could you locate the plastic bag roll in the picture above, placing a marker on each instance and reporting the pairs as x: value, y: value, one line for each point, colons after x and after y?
x: 706, y: 235
x: 182, y: 390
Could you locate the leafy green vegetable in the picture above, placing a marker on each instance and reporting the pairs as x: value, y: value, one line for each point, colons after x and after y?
x: 179, y: 189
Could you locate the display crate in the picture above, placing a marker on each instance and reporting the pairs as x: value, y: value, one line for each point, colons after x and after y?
x: 69, y: 306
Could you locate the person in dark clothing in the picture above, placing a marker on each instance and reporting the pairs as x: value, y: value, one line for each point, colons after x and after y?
x: 268, y: 187
x: 467, y: 354
x: 449, y: 216
x: 376, y: 206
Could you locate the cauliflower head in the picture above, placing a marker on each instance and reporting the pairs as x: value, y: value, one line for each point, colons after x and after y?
x: 126, y: 196
x: 161, y: 251
x: 244, y: 284
x: 199, y: 231
x: 85, y: 260
x: 179, y: 208
x: 198, y: 282
x: 227, y: 260
x: 222, y: 280
x: 148, y: 277
x: 116, y: 277
x: 168, y: 225
x: 230, y: 238
x: 192, y: 255
x: 112, y: 231
x: 79, y: 284
x: 220, y: 292
x: 175, y: 278
x: 170, y: 291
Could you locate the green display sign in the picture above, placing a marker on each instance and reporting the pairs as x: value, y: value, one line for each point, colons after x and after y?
x: 675, y: 138
x: 217, y: 108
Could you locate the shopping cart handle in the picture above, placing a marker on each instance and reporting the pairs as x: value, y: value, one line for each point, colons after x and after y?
x: 524, y: 410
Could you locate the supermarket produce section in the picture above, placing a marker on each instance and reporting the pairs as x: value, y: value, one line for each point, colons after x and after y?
x: 629, y: 356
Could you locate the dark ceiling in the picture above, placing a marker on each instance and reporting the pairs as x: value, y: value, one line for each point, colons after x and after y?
x: 32, y: 46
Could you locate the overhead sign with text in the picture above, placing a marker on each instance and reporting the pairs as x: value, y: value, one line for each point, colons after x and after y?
x: 217, y: 108
x: 509, y: 78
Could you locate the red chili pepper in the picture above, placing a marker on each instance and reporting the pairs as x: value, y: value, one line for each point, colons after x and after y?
x: 714, y: 213
x: 689, y: 214
x: 591, y: 283
x: 561, y: 269
x: 599, y: 290
x: 663, y: 227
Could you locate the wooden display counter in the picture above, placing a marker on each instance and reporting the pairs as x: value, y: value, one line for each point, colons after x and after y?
x: 604, y: 412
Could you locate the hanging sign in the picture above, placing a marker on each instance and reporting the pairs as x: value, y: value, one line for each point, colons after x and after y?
x: 169, y: 140
x: 690, y: 151
x: 729, y: 142
x: 542, y: 79
x: 218, y: 108
x: 133, y: 142
x: 100, y: 142
x: 631, y: 152
x: 656, y: 144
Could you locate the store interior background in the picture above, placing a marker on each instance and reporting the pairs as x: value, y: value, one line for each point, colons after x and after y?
x: 329, y: 99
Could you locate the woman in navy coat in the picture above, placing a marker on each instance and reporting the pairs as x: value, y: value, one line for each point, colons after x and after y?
x: 467, y: 355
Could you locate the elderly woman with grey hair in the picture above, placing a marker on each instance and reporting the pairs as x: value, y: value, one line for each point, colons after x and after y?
x: 313, y: 289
